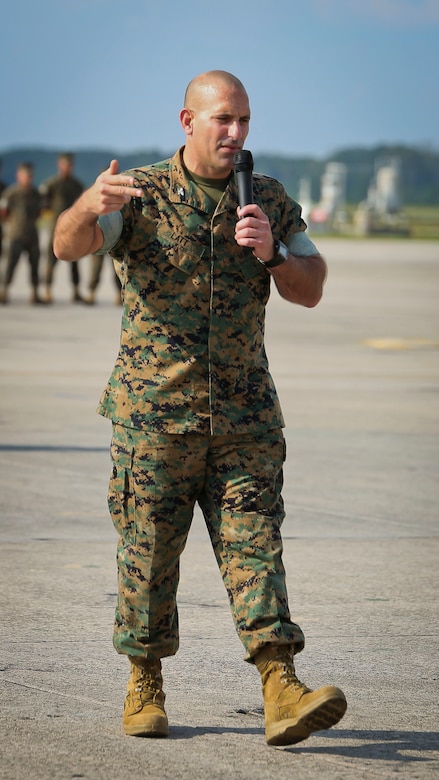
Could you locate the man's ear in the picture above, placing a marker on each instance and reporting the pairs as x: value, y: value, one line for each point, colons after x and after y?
x: 186, y: 120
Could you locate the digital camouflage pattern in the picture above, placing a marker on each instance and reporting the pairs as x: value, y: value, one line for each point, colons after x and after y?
x: 237, y: 481
x: 192, y: 361
x: 192, y: 354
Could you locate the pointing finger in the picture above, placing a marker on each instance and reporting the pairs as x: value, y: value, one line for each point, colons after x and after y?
x: 113, y: 167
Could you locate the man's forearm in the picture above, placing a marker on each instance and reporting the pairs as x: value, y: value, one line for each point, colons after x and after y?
x: 76, y: 233
x: 301, y: 279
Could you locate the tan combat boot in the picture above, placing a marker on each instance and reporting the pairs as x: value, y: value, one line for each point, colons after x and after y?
x: 292, y: 711
x: 76, y: 295
x: 35, y: 297
x: 144, y: 714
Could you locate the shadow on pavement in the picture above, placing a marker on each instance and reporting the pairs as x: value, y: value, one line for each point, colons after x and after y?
x: 381, y: 745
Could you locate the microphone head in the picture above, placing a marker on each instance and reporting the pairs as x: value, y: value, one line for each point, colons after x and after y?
x: 243, y: 160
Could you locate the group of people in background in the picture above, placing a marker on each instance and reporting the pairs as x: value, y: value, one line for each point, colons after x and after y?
x: 21, y: 206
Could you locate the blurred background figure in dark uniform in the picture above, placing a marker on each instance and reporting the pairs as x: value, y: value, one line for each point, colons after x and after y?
x: 97, y: 264
x: 59, y: 193
x: 20, y: 205
x: 2, y: 188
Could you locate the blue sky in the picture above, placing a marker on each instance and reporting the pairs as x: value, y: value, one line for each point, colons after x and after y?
x: 321, y: 74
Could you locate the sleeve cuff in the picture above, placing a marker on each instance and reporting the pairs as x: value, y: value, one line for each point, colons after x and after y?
x: 301, y: 246
x: 111, y: 226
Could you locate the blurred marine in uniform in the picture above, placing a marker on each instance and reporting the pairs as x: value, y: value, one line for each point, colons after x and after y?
x: 20, y: 206
x: 2, y: 188
x: 59, y: 192
x: 97, y: 264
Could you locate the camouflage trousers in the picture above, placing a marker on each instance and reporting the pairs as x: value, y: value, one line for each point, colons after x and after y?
x: 155, y: 483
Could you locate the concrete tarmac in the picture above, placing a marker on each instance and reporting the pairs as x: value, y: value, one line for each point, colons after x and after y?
x: 358, y: 378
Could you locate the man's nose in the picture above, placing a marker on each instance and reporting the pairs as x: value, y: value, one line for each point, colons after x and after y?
x: 235, y: 130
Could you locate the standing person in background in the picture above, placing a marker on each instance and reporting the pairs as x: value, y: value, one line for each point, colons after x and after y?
x: 2, y: 188
x: 97, y: 264
x: 20, y: 205
x: 59, y: 193
x: 195, y: 413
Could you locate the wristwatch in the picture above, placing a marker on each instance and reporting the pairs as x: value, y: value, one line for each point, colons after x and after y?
x: 281, y: 253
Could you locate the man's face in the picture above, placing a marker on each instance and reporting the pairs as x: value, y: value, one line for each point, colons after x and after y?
x: 24, y: 177
x: 65, y: 166
x: 217, y: 125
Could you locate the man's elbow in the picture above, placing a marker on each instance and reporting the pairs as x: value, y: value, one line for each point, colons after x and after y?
x: 307, y: 298
x: 321, y: 272
x: 61, y: 251
x: 312, y: 301
x: 312, y: 293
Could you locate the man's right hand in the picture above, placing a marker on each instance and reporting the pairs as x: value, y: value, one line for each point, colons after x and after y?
x: 77, y: 232
x: 110, y: 191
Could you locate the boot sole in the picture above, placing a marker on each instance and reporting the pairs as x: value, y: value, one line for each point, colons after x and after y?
x: 152, y: 730
x: 319, y: 716
x: 152, y: 726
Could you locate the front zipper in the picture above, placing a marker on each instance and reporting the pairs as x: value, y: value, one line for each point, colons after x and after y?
x: 209, y: 352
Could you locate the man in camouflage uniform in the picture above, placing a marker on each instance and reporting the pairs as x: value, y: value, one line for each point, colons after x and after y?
x: 20, y: 205
x: 58, y: 193
x: 194, y: 410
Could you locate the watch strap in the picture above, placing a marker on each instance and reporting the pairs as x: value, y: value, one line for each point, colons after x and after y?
x: 279, y: 257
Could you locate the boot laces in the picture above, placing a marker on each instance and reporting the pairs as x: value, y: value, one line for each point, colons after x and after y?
x: 288, y: 675
x: 148, y: 682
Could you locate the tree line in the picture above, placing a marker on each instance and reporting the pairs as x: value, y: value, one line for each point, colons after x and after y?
x: 419, y: 168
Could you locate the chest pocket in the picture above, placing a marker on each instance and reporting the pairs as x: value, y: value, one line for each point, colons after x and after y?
x: 185, y: 253
x: 182, y: 238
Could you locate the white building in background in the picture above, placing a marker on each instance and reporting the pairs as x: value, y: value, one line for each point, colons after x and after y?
x: 383, y: 195
x: 333, y: 188
x: 305, y: 197
x: 381, y: 211
x: 329, y: 212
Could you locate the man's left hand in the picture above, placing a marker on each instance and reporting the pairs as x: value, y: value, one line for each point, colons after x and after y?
x: 253, y: 230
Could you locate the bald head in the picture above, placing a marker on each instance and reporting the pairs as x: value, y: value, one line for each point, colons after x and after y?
x: 210, y: 82
x: 215, y: 119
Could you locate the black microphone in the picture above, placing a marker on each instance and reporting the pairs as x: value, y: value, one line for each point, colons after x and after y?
x: 243, y: 164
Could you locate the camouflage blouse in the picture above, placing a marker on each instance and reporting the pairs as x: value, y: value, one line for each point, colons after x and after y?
x: 192, y: 355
